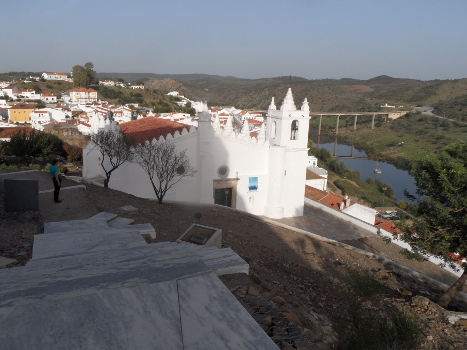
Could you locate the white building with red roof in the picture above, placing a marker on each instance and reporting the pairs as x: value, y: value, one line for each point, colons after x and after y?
x: 107, y: 82
x: 39, y: 118
x: 84, y: 128
x: 49, y: 98
x: 27, y: 94
x: 10, y: 91
x: 83, y: 95
x: 55, y: 76
x: 262, y: 174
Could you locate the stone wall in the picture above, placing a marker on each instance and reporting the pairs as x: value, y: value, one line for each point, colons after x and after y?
x: 68, y: 133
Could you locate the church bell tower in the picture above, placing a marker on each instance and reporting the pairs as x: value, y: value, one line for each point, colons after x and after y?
x: 287, y: 133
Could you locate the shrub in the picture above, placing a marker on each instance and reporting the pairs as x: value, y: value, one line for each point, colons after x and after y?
x: 73, y: 152
x: 375, y: 325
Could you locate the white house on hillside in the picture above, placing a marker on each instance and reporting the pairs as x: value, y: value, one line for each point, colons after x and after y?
x: 83, y: 95
x: 55, y: 76
x: 263, y: 175
x: 49, y: 98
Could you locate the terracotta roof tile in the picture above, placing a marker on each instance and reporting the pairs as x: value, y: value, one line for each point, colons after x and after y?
x: 329, y: 199
x: 314, y: 193
x: 387, y: 225
x: 146, y: 129
x: 23, y: 106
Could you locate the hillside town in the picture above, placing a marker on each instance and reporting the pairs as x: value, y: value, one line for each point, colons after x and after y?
x: 82, y: 108
x: 252, y: 161
x: 82, y: 112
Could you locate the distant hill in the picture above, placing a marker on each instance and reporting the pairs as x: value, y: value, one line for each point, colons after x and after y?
x: 324, y: 95
x: 133, y: 77
x: 333, y: 95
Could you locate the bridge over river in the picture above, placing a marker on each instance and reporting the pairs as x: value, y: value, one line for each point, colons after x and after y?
x: 384, y: 115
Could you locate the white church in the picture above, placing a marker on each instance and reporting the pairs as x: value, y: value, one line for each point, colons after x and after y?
x: 263, y: 174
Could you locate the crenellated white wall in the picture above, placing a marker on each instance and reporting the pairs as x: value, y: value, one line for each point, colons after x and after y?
x: 278, y: 164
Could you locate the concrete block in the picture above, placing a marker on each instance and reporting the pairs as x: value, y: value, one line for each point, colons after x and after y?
x: 202, y: 235
x: 21, y: 195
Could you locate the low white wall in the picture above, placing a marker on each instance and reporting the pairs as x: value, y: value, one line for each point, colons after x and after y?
x: 320, y: 184
x: 384, y: 233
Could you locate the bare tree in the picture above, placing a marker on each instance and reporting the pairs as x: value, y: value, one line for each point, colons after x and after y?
x: 164, y: 166
x: 115, y: 146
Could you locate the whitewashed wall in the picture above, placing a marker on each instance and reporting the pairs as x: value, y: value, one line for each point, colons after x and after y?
x: 245, y: 160
x: 361, y: 212
x: 320, y: 184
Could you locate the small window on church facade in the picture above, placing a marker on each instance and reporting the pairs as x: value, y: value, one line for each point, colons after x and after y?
x: 253, y: 184
x: 294, y: 130
x: 273, y: 130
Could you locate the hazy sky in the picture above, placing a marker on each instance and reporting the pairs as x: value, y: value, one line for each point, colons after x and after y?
x: 420, y: 39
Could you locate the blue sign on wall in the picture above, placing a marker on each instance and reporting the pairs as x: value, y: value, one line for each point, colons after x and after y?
x: 253, y: 184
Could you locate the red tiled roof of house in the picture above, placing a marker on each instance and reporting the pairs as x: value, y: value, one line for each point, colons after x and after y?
x: 48, y: 95
x: 146, y: 129
x: 387, y: 225
x: 314, y: 193
x: 329, y: 199
x: 85, y: 124
x: 23, y: 106
x: 254, y: 122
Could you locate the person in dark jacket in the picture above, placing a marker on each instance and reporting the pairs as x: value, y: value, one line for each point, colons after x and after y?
x: 56, y: 180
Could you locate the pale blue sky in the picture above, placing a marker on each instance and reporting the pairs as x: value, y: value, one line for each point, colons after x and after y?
x: 420, y: 39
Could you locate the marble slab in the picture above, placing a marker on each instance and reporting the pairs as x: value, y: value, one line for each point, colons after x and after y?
x: 142, y: 317
x: 141, y: 228
x: 129, y: 208
x: 103, y: 216
x: 120, y: 222
x: 212, y: 318
x: 83, y: 243
x: 65, y: 226
x: 223, y: 261
x: 29, y: 285
x: 98, y: 220
x: 6, y: 261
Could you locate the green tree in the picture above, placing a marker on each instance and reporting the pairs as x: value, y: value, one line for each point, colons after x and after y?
x: 83, y: 76
x: 440, y: 226
x: 29, y: 143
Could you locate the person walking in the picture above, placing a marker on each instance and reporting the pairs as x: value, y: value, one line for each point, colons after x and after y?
x: 56, y: 180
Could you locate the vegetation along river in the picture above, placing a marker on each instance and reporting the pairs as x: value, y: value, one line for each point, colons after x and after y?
x: 397, y: 178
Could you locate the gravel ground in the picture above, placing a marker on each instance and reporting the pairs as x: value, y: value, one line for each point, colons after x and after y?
x: 306, y: 273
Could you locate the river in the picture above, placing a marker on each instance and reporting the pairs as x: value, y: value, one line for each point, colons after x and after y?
x: 397, y: 178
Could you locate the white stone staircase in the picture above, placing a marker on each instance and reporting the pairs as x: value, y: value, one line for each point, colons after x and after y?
x: 91, y: 286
